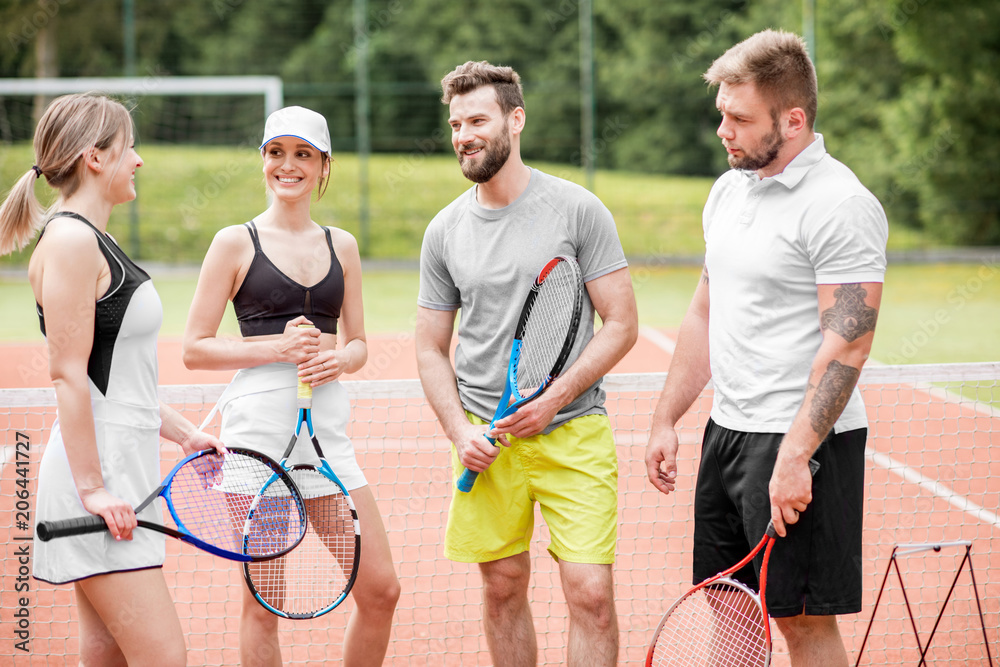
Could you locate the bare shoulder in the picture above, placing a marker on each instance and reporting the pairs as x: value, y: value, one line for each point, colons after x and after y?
x: 69, y: 233
x: 344, y: 243
x: 67, y: 244
x: 232, y: 237
x: 67, y: 255
x: 342, y: 236
x: 230, y: 253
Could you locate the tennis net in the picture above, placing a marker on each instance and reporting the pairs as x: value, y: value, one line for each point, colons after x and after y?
x: 933, y: 477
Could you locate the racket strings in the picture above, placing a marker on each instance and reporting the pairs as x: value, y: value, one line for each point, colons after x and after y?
x: 718, y: 626
x: 547, y: 325
x: 237, y: 503
x: 314, y: 575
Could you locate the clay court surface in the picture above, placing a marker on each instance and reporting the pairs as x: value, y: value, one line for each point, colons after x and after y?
x: 390, y: 357
x: 932, y: 478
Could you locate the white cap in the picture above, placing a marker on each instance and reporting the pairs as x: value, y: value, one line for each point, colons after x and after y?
x: 298, y: 122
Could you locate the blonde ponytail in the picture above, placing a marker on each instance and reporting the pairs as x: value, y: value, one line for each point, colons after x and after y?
x: 21, y: 215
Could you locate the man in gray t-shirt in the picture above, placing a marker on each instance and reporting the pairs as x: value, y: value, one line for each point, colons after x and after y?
x: 480, y: 255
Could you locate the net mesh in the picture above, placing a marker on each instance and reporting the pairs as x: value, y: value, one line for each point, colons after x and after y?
x: 933, y: 475
x: 547, y: 327
x: 721, y: 624
x: 219, y: 501
x: 313, y: 576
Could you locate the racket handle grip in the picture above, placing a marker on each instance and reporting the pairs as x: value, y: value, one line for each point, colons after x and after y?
x: 305, y: 391
x: 466, y: 481
x: 468, y: 477
x: 47, y: 530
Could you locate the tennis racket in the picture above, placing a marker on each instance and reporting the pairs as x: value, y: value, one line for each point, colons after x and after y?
x: 720, y: 621
x: 543, y: 340
x: 317, y: 575
x: 241, y: 506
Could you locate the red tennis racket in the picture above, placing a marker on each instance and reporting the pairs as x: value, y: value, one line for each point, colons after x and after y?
x: 720, y: 621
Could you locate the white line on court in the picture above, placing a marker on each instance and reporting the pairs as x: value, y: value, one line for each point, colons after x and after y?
x: 935, y: 488
x: 660, y: 340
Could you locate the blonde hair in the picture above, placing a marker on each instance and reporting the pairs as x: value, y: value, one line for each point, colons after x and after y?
x: 474, y: 75
x: 777, y: 62
x: 324, y: 182
x: 69, y: 128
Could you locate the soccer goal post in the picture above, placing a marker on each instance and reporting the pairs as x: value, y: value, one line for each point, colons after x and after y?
x: 212, y: 123
x: 269, y: 86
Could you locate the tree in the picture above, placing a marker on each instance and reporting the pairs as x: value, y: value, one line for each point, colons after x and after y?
x: 945, y: 127
x: 652, y: 57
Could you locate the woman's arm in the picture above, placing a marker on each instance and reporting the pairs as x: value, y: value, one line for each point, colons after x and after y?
x: 72, y: 265
x: 174, y: 427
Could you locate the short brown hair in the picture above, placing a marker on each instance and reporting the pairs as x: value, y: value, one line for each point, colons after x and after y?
x: 474, y: 75
x: 777, y: 62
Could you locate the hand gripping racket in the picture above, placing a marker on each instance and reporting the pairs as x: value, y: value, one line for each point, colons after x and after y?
x: 543, y: 340
x: 241, y: 506
x: 720, y: 621
x: 317, y: 575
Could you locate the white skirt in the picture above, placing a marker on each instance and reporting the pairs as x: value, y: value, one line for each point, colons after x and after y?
x: 128, y: 444
x: 259, y: 412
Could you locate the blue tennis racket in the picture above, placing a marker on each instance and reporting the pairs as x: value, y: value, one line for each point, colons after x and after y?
x: 316, y: 576
x: 241, y: 506
x: 543, y: 340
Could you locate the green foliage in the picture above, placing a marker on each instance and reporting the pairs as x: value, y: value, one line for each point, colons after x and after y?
x: 908, y: 88
x: 911, y: 88
x: 651, y: 65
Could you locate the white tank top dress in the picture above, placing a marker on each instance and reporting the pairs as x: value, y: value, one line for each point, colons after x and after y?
x: 123, y: 375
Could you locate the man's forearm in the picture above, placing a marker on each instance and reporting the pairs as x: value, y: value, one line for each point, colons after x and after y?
x: 848, y: 322
x: 690, y: 370
x: 437, y: 376
x: 832, y: 380
x: 608, y: 346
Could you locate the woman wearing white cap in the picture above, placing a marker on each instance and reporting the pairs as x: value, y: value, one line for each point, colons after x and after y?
x: 280, y: 270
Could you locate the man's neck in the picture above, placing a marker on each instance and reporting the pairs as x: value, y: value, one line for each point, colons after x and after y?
x: 506, y: 186
x: 788, y: 152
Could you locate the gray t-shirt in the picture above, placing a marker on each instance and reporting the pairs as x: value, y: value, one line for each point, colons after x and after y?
x: 483, y: 261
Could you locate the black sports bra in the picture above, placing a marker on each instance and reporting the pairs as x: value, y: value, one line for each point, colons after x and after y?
x: 268, y: 299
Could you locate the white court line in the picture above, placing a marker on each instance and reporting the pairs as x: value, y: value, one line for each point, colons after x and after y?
x: 935, y: 488
x: 660, y: 340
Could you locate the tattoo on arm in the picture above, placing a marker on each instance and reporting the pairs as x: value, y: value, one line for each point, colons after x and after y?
x: 831, y: 396
x: 704, y: 276
x: 849, y: 316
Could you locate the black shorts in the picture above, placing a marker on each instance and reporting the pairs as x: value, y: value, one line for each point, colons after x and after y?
x: 816, y: 568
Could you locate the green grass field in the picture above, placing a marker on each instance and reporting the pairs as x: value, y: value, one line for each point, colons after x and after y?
x: 930, y: 313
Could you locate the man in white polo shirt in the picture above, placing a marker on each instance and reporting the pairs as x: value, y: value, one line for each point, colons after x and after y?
x: 781, y: 322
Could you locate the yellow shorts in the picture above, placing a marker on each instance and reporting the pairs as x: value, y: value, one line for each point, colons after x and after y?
x: 573, y: 475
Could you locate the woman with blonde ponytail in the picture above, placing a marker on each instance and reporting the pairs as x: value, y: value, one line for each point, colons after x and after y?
x: 100, y: 316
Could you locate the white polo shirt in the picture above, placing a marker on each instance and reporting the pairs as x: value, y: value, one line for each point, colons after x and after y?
x: 768, y: 244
